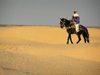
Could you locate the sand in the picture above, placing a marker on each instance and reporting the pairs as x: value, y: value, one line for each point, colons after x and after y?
x: 42, y: 50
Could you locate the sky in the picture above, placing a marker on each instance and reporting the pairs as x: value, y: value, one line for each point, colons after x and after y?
x: 48, y: 12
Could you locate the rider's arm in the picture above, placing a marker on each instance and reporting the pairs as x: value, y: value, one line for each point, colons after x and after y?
x: 78, y: 20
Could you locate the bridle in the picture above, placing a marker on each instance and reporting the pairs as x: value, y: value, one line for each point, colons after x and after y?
x: 62, y: 23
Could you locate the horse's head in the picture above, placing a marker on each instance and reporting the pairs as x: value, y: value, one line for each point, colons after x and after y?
x: 64, y: 22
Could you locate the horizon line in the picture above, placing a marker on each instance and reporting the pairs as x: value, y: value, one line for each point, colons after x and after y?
x: 3, y: 25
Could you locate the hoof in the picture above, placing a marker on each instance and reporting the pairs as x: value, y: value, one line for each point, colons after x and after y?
x: 88, y: 41
x: 72, y: 42
x: 67, y: 43
x: 76, y: 42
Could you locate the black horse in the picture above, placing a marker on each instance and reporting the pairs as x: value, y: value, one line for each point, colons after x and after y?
x: 71, y: 30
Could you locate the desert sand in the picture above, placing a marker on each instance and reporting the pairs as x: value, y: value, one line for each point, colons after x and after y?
x: 42, y: 50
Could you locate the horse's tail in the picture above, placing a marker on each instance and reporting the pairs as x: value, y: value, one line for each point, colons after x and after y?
x: 86, y: 31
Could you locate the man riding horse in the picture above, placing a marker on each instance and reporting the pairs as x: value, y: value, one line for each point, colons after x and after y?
x: 76, y: 20
x: 74, y: 30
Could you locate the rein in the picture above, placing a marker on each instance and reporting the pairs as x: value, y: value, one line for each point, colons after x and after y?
x: 64, y: 22
x: 67, y: 28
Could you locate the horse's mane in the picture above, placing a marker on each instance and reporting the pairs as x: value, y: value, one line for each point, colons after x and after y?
x: 67, y: 23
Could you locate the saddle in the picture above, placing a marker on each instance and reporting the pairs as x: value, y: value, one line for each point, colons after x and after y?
x: 72, y: 25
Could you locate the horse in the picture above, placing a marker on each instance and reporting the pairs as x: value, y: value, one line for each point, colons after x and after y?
x: 71, y: 30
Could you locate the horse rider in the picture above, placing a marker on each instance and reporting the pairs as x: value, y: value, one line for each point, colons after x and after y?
x: 76, y: 20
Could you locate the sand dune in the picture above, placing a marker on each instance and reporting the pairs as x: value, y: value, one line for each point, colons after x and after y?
x: 42, y: 50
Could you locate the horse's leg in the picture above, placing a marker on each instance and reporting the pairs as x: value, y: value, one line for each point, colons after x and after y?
x: 79, y: 38
x: 68, y: 39
x: 84, y: 38
x: 87, y: 39
x: 71, y: 39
